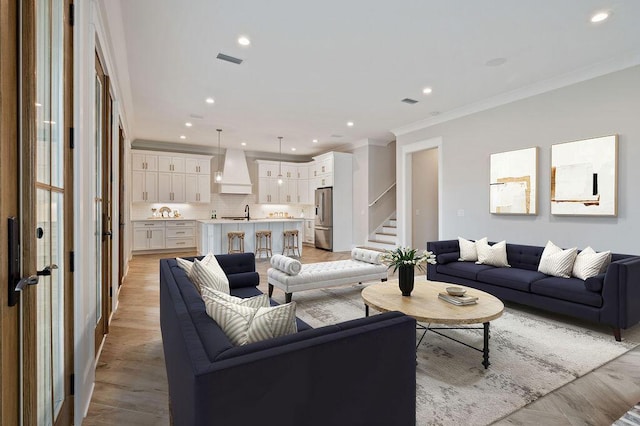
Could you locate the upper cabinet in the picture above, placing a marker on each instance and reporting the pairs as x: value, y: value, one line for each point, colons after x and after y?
x: 171, y: 164
x: 144, y: 161
x: 198, y: 166
x: 168, y: 177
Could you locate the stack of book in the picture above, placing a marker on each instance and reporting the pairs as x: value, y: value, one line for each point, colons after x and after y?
x: 458, y: 300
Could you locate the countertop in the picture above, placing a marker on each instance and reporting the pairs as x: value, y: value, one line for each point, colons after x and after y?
x: 161, y: 218
x: 255, y: 220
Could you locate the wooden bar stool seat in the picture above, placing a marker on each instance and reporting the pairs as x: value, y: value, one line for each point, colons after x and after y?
x: 263, y: 236
x: 291, y: 242
x: 234, y: 236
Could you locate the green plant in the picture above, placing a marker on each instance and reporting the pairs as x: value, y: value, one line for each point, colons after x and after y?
x: 406, y: 256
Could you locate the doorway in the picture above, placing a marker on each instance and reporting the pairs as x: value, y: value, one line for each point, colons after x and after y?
x: 424, y: 198
x: 404, y: 175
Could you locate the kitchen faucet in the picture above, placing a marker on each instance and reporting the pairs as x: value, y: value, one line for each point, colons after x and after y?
x: 246, y: 210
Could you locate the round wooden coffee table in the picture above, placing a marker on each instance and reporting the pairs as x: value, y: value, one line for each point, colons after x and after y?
x: 425, y: 306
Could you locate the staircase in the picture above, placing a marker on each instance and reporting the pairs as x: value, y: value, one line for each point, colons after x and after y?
x: 385, y: 237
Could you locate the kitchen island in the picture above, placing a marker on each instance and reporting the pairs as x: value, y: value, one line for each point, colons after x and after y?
x: 212, y: 233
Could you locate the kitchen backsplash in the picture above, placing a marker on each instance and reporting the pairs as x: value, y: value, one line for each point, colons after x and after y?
x: 224, y: 205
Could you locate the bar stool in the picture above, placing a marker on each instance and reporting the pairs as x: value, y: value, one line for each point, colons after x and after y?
x: 266, y: 248
x: 290, y: 242
x: 233, y: 236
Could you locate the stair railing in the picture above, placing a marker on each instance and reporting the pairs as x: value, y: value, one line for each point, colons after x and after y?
x: 382, y: 195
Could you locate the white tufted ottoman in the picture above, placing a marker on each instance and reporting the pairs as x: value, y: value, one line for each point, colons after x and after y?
x: 364, y: 265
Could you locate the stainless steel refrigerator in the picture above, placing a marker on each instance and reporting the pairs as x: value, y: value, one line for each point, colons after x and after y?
x: 324, y: 218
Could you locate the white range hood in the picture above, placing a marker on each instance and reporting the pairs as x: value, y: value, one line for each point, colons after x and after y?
x: 235, y: 174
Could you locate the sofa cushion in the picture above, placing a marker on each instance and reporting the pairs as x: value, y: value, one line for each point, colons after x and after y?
x: 447, y: 258
x: 366, y: 255
x: 588, y: 263
x: 518, y: 279
x: 495, y: 255
x: 468, y: 270
x: 524, y: 257
x: 569, y: 289
x: 595, y: 283
x: 286, y: 264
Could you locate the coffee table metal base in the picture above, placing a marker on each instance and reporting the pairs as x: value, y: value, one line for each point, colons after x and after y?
x: 485, y: 328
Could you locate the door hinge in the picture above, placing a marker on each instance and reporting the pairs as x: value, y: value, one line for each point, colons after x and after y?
x: 72, y: 143
x: 110, y: 291
x: 72, y: 385
x: 72, y: 261
x: 72, y: 14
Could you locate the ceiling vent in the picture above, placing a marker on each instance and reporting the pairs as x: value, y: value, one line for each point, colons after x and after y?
x: 336, y: 136
x: 228, y: 58
x: 197, y: 116
x: 409, y: 101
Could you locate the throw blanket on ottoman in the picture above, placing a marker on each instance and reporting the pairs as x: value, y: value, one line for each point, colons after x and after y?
x: 290, y: 275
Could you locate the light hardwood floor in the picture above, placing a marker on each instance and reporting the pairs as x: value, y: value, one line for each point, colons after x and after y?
x: 131, y: 384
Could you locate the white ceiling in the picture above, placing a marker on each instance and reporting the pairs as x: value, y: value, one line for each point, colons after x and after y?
x: 314, y: 65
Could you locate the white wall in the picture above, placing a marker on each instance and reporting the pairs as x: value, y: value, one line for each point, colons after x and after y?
x: 601, y: 106
x: 360, y: 195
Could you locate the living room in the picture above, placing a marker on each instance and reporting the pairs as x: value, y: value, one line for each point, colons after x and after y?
x: 420, y: 97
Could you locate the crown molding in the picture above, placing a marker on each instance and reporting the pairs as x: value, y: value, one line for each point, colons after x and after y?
x: 628, y: 60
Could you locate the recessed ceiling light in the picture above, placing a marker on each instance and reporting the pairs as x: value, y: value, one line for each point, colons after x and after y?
x: 293, y: 149
x: 315, y: 141
x: 183, y: 137
x: 350, y: 123
x: 495, y: 62
x: 188, y: 124
x: 209, y: 100
x: 427, y: 90
x: 599, y: 17
x: 243, y: 143
x: 244, y: 41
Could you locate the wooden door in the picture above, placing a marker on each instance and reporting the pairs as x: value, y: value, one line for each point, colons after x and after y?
x: 46, y: 213
x: 121, y: 204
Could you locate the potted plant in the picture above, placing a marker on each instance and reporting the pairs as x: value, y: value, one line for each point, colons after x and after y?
x: 406, y: 259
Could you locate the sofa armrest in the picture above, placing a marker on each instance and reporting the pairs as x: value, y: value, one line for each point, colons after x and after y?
x: 374, y: 361
x: 621, y: 293
x: 444, y: 251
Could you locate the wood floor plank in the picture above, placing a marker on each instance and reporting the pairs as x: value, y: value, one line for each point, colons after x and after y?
x: 131, y: 384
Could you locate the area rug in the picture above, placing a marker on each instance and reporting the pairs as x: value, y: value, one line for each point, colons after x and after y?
x: 631, y: 417
x: 531, y: 353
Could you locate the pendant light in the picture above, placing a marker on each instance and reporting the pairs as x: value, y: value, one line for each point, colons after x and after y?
x: 218, y: 173
x: 280, y: 164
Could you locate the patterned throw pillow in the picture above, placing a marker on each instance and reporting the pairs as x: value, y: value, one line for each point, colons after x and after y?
x: 186, y: 265
x: 260, y: 301
x: 243, y: 324
x: 588, y: 263
x: 206, y: 276
x: 557, y: 262
x: 468, y: 250
x: 495, y: 255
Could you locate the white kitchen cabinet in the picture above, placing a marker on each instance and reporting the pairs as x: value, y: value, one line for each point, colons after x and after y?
x: 302, y: 172
x: 144, y: 187
x: 148, y: 235
x: 196, y: 166
x: 171, y: 187
x: 308, y: 233
x: 268, y: 190
x: 144, y: 161
x: 180, y: 234
x: 323, y: 166
x: 289, y: 171
x: 268, y: 169
x: 198, y: 188
x: 288, y: 191
x: 167, y: 163
x: 303, y: 192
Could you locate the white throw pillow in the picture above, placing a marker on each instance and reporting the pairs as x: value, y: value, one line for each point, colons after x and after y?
x: 557, y: 262
x: 588, y: 263
x: 468, y: 250
x: 243, y: 324
x: 495, y: 255
x: 286, y: 264
x: 186, y: 265
x: 207, y: 276
x: 273, y: 322
x: 259, y: 301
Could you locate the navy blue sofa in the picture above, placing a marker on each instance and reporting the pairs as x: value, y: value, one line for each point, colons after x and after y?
x: 611, y: 298
x: 360, y: 372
